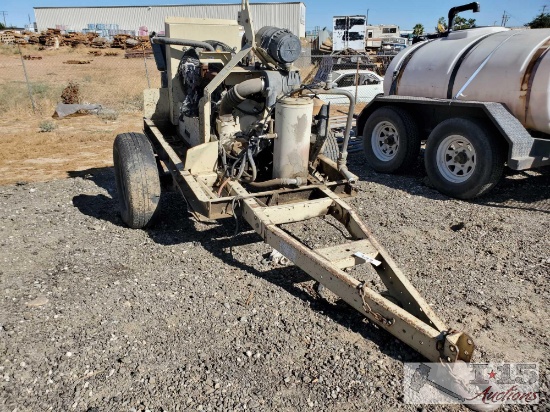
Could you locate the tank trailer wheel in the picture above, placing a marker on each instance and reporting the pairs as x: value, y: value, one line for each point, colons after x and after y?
x: 462, y: 159
x: 390, y: 140
x: 137, y: 179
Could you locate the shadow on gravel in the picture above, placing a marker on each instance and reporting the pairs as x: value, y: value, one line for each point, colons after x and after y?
x: 103, y: 177
x: 98, y: 206
x: 521, y: 190
x: 175, y: 226
x: 517, y: 190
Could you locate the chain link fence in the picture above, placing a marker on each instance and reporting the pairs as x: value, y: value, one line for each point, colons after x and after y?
x: 34, y: 80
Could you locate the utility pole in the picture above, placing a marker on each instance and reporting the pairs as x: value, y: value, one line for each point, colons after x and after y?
x: 505, y: 19
x: 4, y: 14
x: 544, y: 8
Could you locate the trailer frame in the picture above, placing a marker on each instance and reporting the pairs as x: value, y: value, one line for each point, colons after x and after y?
x: 401, y: 310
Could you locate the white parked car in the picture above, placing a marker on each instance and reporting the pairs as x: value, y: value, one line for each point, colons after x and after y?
x: 370, y: 84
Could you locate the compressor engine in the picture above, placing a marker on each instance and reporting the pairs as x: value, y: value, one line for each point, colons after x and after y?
x: 262, y: 125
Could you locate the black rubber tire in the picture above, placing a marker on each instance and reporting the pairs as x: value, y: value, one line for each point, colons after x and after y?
x: 137, y: 179
x: 489, y: 162
x: 330, y: 148
x: 409, y: 140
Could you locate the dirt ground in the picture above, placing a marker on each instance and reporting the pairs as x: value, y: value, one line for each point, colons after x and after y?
x: 99, y: 317
x: 165, y: 319
x: 78, y: 143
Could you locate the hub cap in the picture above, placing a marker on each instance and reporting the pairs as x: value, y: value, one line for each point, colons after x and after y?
x: 456, y: 159
x: 385, y: 141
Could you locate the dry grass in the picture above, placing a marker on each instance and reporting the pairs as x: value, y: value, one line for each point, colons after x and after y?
x: 77, y: 143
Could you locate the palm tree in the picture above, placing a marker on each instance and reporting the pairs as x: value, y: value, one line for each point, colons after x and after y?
x: 418, y: 29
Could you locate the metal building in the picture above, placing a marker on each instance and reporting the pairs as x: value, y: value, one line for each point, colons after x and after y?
x: 142, y: 19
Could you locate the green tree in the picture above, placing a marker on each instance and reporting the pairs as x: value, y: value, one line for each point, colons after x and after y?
x: 2, y: 27
x: 418, y: 30
x: 459, y: 23
x: 542, y: 21
x: 441, y: 25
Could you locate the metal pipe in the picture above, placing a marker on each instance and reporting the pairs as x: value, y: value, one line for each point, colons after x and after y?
x: 238, y: 94
x: 342, y: 157
x: 26, y: 78
x: 455, y: 10
x: 182, y: 42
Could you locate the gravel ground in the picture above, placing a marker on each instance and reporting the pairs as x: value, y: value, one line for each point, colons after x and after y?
x: 99, y: 317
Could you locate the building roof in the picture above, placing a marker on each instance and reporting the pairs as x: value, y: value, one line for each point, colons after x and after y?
x: 168, y: 5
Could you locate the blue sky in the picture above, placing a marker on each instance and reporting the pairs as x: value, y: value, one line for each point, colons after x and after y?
x: 319, y: 13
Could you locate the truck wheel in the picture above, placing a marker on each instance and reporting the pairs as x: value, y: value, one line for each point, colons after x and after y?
x: 137, y: 179
x: 462, y: 159
x: 391, y: 140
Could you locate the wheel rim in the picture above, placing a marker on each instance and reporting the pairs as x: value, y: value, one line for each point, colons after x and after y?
x: 385, y: 141
x: 456, y: 158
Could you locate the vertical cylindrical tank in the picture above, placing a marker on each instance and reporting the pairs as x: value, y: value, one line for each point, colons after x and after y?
x: 487, y: 64
x: 293, y: 117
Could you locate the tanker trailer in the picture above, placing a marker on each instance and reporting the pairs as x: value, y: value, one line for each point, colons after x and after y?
x: 479, y: 99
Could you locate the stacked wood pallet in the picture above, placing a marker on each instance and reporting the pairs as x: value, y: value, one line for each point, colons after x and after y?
x: 125, y: 41
x: 47, y: 38
x: 75, y: 39
x: 7, y: 37
x: 136, y: 53
x: 119, y: 40
x: 326, y: 46
x: 50, y: 37
x: 32, y: 38
x: 99, y: 43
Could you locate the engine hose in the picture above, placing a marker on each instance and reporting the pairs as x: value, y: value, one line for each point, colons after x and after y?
x: 251, y: 178
x: 241, y: 169
x: 182, y: 42
x: 234, y: 165
x: 226, y: 181
x: 238, y: 94
x: 252, y: 165
x: 223, y: 156
x: 277, y: 183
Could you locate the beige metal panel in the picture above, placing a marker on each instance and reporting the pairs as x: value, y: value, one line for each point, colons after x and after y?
x: 343, y: 256
x: 226, y: 31
x: 285, y: 15
x: 202, y: 158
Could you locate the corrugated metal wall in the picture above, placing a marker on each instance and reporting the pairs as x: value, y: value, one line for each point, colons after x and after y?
x: 285, y: 15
